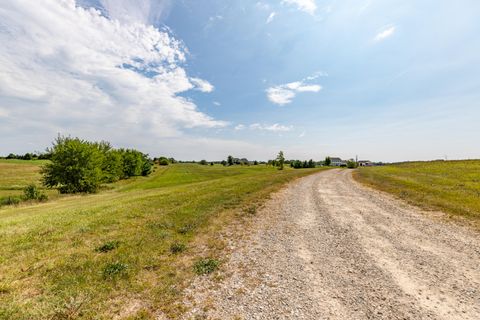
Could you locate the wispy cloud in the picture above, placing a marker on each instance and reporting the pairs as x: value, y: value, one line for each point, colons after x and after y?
x: 276, y: 127
x: 202, y: 85
x: 285, y: 93
x: 96, y: 75
x: 385, y: 33
x: 308, y: 6
x: 240, y: 127
x: 272, y: 127
x: 271, y: 17
x: 218, y: 104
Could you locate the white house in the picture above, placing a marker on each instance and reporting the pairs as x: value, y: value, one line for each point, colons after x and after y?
x: 337, y: 162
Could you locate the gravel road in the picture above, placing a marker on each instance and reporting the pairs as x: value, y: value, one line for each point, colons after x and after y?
x: 327, y: 247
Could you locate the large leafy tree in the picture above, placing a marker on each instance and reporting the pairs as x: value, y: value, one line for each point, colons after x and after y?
x: 75, y: 166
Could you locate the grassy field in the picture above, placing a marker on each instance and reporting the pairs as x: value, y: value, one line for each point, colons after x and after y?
x: 125, y: 252
x: 17, y: 174
x: 449, y: 186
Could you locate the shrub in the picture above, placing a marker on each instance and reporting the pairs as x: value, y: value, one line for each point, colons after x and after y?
x: 31, y: 192
x: 112, y: 270
x: 203, y: 162
x: 351, y: 164
x: 108, y: 246
x: 163, y: 162
x: 177, y: 247
x: 8, y: 201
x: 205, y: 266
x: 42, y: 197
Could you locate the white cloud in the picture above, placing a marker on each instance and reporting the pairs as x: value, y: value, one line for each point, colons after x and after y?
x: 218, y: 104
x: 384, y: 34
x: 285, y: 93
x: 133, y: 11
x: 308, y: 6
x: 72, y: 70
x: 271, y: 17
x: 202, y: 85
x: 273, y: 127
x: 301, y: 135
x: 240, y: 127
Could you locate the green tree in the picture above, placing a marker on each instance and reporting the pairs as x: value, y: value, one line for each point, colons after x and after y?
x: 230, y: 160
x: 75, y: 166
x: 351, y: 164
x: 280, y: 160
x: 328, y: 161
x: 224, y: 163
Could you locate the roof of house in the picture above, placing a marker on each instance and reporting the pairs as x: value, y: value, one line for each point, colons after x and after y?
x: 336, y: 159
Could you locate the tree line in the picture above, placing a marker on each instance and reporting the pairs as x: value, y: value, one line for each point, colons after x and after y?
x: 78, y: 165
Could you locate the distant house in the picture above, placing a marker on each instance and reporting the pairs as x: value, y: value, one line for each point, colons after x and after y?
x: 365, y: 163
x: 337, y: 162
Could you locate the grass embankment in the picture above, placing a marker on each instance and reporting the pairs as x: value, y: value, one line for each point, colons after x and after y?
x: 449, y: 186
x: 125, y: 252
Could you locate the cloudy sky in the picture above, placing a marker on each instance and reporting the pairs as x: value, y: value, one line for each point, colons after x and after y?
x: 386, y: 80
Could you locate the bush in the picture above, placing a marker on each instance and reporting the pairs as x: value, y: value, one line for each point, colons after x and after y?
x: 31, y: 192
x: 351, y: 164
x: 177, y: 247
x: 163, y: 162
x: 112, y: 270
x: 8, y: 201
x: 108, y: 246
x: 205, y: 266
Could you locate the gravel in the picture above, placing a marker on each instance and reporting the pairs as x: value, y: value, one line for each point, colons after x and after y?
x: 327, y: 247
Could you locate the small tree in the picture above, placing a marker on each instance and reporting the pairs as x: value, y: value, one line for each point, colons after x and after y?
x: 311, y: 164
x: 203, y: 162
x: 351, y: 164
x: 76, y: 166
x: 328, y: 161
x: 230, y: 160
x: 255, y: 163
x: 280, y: 160
x: 224, y: 163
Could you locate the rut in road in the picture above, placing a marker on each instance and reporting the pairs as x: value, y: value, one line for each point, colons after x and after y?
x: 328, y: 248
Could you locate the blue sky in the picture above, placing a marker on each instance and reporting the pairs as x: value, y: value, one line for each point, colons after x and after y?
x: 384, y: 80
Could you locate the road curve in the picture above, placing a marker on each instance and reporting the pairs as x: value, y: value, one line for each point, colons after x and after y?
x: 327, y: 247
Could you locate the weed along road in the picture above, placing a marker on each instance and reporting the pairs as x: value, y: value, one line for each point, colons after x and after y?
x: 327, y: 247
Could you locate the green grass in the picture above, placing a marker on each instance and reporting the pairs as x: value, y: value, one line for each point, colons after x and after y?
x: 449, y: 186
x: 131, y: 247
x: 15, y: 175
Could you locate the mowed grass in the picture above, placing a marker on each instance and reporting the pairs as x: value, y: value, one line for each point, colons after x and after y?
x: 449, y: 186
x: 128, y: 251
x: 15, y: 175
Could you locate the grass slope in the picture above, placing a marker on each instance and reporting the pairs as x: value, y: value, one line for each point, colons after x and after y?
x: 110, y: 254
x: 449, y: 186
x: 17, y: 174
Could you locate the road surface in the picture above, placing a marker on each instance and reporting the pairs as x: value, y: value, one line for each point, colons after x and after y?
x: 327, y: 247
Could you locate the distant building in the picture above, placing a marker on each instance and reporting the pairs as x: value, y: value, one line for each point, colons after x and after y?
x: 365, y: 163
x: 337, y: 162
